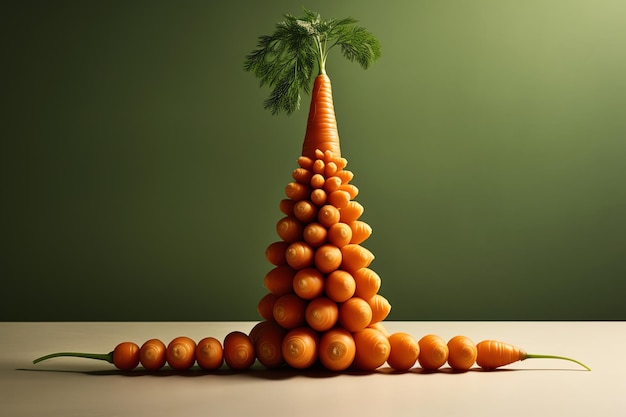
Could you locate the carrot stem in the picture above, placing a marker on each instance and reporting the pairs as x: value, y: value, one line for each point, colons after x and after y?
x: 533, y: 356
x: 100, y: 356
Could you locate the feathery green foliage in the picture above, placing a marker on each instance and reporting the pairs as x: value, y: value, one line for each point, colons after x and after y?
x: 286, y: 60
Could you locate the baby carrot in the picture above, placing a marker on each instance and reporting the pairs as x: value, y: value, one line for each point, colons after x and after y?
x: 345, y: 175
x: 305, y: 162
x: 308, y: 283
x: 355, y: 314
x: 404, y: 351
x: 328, y: 215
x: 350, y: 189
x: 280, y: 280
x: 351, y: 212
x: 275, y: 253
x: 297, y: 191
x: 332, y: 184
x: 433, y: 352
x: 302, y: 175
x: 238, y: 350
x: 321, y: 314
x: 265, y: 307
x: 339, y: 199
x: 462, y: 353
x: 299, y: 255
x: 305, y: 211
x: 299, y: 347
x: 331, y: 168
x: 493, y: 354
x: 367, y: 283
x: 181, y: 353
x: 339, y: 286
x: 319, y: 165
x: 315, y: 234
x: 372, y: 349
x: 339, y: 234
x: 289, y: 229
x: 380, y: 307
x: 317, y: 181
x: 268, y: 345
x: 289, y: 311
x: 258, y: 328
x: 209, y: 353
x: 355, y: 257
x: 319, y: 197
x: 152, y: 354
x: 286, y: 206
x: 380, y: 327
x: 337, y: 349
x: 125, y: 356
x: 361, y: 231
x: 328, y: 258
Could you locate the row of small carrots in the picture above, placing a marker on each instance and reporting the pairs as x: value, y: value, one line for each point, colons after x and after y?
x: 336, y: 349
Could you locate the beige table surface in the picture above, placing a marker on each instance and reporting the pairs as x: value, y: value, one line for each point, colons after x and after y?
x: 539, y: 387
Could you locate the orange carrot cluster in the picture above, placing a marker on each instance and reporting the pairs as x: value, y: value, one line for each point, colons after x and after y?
x: 321, y: 281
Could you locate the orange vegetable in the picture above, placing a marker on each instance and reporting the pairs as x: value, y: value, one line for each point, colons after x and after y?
x: 319, y: 165
x: 433, y: 352
x: 319, y: 197
x: 361, y: 231
x: 332, y: 184
x: 345, y: 175
x: 305, y: 162
x: 380, y: 327
x: 328, y: 215
x: 339, y: 199
x: 367, y: 283
x: 339, y: 234
x: 209, y: 353
x: 299, y: 347
x: 302, y: 175
x: 125, y: 356
x: 297, y: 191
x: 275, y: 253
x: 238, y: 351
x: 355, y: 314
x: 265, y: 307
x: 404, y: 352
x: 181, y: 353
x: 493, y: 354
x: 289, y: 311
x: 286, y: 206
x: 328, y: 258
x: 308, y: 283
x: 289, y: 229
x: 280, y: 280
x: 268, y: 345
x: 380, y: 307
x: 258, y: 328
x: 299, y: 255
x: 152, y: 354
x: 305, y: 211
x: 340, y: 286
x: 355, y: 257
x: 351, y: 212
x: 318, y: 181
x: 315, y: 234
x: 372, y: 349
x: 321, y: 131
x: 337, y: 349
x: 331, y: 167
x: 462, y: 353
x: 321, y: 314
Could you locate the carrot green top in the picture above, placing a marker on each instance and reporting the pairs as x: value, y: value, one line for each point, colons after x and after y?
x: 286, y: 60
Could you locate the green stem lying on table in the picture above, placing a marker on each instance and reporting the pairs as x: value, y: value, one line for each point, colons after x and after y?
x: 100, y: 356
x: 534, y: 356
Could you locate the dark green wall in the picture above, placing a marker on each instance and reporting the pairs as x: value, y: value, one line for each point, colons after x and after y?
x: 141, y: 176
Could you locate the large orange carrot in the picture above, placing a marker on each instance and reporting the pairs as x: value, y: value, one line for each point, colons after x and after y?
x: 321, y: 130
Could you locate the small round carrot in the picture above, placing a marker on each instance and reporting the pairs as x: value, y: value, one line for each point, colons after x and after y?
x: 350, y: 189
x: 339, y: 199
x: 268, y: 345
x: 462, y: 353
x: 351, y: 212
x: 181, y: 353
x: 355, y: 257
x: 238, y: 350
x: 345, y: 175
x: 319, y: 166
x: 275, y: 253
x: 355, y: 314
x: 286, y: 206
x: 125, y: 356
x: 493, y: 354
x: 367, y: 282
x: 308, y: 283
x: 258, y: 328
x: 372, y: 349
x: 380, y: 327
x: 319, y: 197
x: 265, y: 306
x: 339, y: 234
x: 305, y: 162
x: 339, y: 286
x: 299, y: 347
x: 380, y: 307
x: 297, y: 191
x: 328, y: 258
x: 280, y: 280
x: 299, y: 255
x: 405, y: 350
x: 318, y: 181
x: 152, y: 354
x: 321, y: 314
x: 209, y: 353
x: 433, y: 352
x: 302, y: 175
x: 315, y: 234
x: 289, y: 311
x: 328, y: 215
x: 289, y: 229
x: 331, y: 168
x: 337, y: 349
x: 305, y: 211
x: 332, y: 184
x: 361, y: 231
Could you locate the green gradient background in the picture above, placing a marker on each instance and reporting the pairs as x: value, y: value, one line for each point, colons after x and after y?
x: 141, y: 176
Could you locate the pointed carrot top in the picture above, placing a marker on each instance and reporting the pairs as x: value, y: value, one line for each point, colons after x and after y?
x: 321, y: 129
